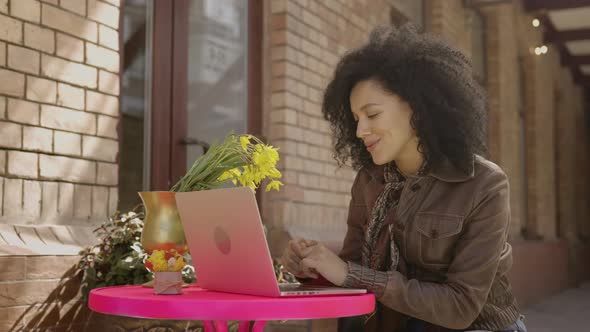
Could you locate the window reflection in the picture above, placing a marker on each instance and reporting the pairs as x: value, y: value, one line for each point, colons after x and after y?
x: 217, y: 100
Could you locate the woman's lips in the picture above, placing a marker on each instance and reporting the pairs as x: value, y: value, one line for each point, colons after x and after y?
x: 371, y: 147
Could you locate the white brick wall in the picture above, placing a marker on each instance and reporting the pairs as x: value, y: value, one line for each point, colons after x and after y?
x: 2, y: 164
x: 102, y: 57
x: 16, y: 87
x: 103, y: 13
x: 42, y: 90
x: 108, y: 82
x: 71, y: 72
x: 65, y: 203
x: 82, y: 201
x: 13, y: 194
x: 76, y: 6
x: 108, y: 37
x: 23, y: 59
x: 37, y: 139
x: 22, y: 111
x: 39, y: 38
x: 2, y: 107
x: 23, y: 164
x: 10, y: 135
x: 49, y: 201
x: 2, y: 54
x: 70, y: 96
x: 65, y: 168
x: 32, y: 199
x: 28, y: 10
x: 68, y: 22
x: 101, y: 103
x: 12, y: 29
x: 69, y: 47
x: 99, y: 148
x: 107, y: 174
x: 67, y: 143
x: 67, y: 120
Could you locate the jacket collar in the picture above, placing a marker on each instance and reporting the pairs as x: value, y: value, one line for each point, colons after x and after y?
x: 445, y: 172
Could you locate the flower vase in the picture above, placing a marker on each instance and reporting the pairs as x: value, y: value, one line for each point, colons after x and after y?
x: 168, y: 283
x: 162, y: 228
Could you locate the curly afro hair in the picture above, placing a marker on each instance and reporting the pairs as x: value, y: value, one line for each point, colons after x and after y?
x: 448, y: 105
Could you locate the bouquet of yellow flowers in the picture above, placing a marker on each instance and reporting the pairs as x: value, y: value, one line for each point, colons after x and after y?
x: 242, y: 159
x: 165, y: 261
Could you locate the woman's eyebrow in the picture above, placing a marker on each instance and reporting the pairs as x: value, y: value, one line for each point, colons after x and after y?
x: 369, y: 105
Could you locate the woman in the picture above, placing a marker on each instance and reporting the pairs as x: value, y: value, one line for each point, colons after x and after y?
x: 429, y: 217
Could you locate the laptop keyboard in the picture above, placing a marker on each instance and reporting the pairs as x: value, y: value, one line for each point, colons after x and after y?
x: 298, y: 287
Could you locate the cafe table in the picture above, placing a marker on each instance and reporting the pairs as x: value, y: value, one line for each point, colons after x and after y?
x: 216, y: 308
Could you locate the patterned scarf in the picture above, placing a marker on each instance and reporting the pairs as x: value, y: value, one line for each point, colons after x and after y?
x: 387, y: 200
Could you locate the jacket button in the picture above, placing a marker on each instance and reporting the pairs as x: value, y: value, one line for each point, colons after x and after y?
x: 434, y: 234
x: 415, y: 187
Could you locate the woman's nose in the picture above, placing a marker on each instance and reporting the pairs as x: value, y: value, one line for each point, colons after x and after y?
x: 362, y: 129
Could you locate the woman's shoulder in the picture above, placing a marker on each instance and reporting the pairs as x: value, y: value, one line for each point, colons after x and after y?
x: 488, y: 176
x: 369, y: 173
x: 486, y: 169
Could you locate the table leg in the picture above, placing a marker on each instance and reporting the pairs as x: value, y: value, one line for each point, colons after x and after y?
x: 259, y: 326
x: 208, y: 325
x: 220, y: 326
x: 244, y: 326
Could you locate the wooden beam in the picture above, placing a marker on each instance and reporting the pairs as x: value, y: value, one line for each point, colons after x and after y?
x: 535, y: 5
x: 483, y: 3
x: 584, y: 81
x: 569, y: 35
x: 565, y: 57
x: 577, y: 60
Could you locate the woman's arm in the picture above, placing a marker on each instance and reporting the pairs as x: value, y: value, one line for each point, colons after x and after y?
x: 457, y: 302
x: 357, y: 216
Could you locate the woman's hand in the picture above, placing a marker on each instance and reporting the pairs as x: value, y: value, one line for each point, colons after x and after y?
x: 322, y: 260
x: 293, y: 255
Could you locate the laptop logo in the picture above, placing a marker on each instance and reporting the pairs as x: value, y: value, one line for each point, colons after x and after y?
x: 222, y: 240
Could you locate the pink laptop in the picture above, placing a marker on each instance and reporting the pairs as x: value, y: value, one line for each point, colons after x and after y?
x: 229, y: 248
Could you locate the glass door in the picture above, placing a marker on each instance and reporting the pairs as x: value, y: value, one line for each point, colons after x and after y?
x: 217, y: 73
x: 205, y: 80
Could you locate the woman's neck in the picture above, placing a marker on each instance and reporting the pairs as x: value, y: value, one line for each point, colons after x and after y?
x: 410, y: 159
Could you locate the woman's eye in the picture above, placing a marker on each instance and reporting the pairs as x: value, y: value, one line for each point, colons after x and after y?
x: 373, y: 115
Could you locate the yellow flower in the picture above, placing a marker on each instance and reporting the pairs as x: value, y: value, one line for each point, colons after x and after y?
x: 274, y: 184
x: 178, y: 265
x: 248, y: 159
x: 158, y: 262
x: 245, y: 141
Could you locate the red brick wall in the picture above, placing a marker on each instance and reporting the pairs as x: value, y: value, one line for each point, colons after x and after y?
x: 305, y: 40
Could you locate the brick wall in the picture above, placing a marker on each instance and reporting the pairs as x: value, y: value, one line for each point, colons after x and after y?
x: 60, y: 113
x: 59, y: 87
x: 305, y: 40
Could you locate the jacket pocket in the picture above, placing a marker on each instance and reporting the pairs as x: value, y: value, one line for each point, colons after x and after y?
x: 438, y: 235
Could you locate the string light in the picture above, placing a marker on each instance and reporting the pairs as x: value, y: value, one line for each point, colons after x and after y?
x: 541, y: 50
x: 536, y: 22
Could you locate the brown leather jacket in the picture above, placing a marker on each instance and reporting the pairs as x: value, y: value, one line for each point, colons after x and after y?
x: 453, y: 229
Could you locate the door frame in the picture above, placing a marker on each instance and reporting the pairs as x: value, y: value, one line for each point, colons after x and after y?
x: 169, y: 86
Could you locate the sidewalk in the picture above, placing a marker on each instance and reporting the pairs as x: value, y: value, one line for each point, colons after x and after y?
x: 567, y: 311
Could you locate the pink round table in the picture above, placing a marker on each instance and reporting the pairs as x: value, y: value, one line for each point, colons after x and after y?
x: 216, y: 308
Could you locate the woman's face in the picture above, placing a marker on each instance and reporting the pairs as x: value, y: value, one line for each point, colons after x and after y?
x: 383, y: 122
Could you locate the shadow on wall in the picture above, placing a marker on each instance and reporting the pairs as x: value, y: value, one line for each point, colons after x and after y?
x: 65, y: 311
